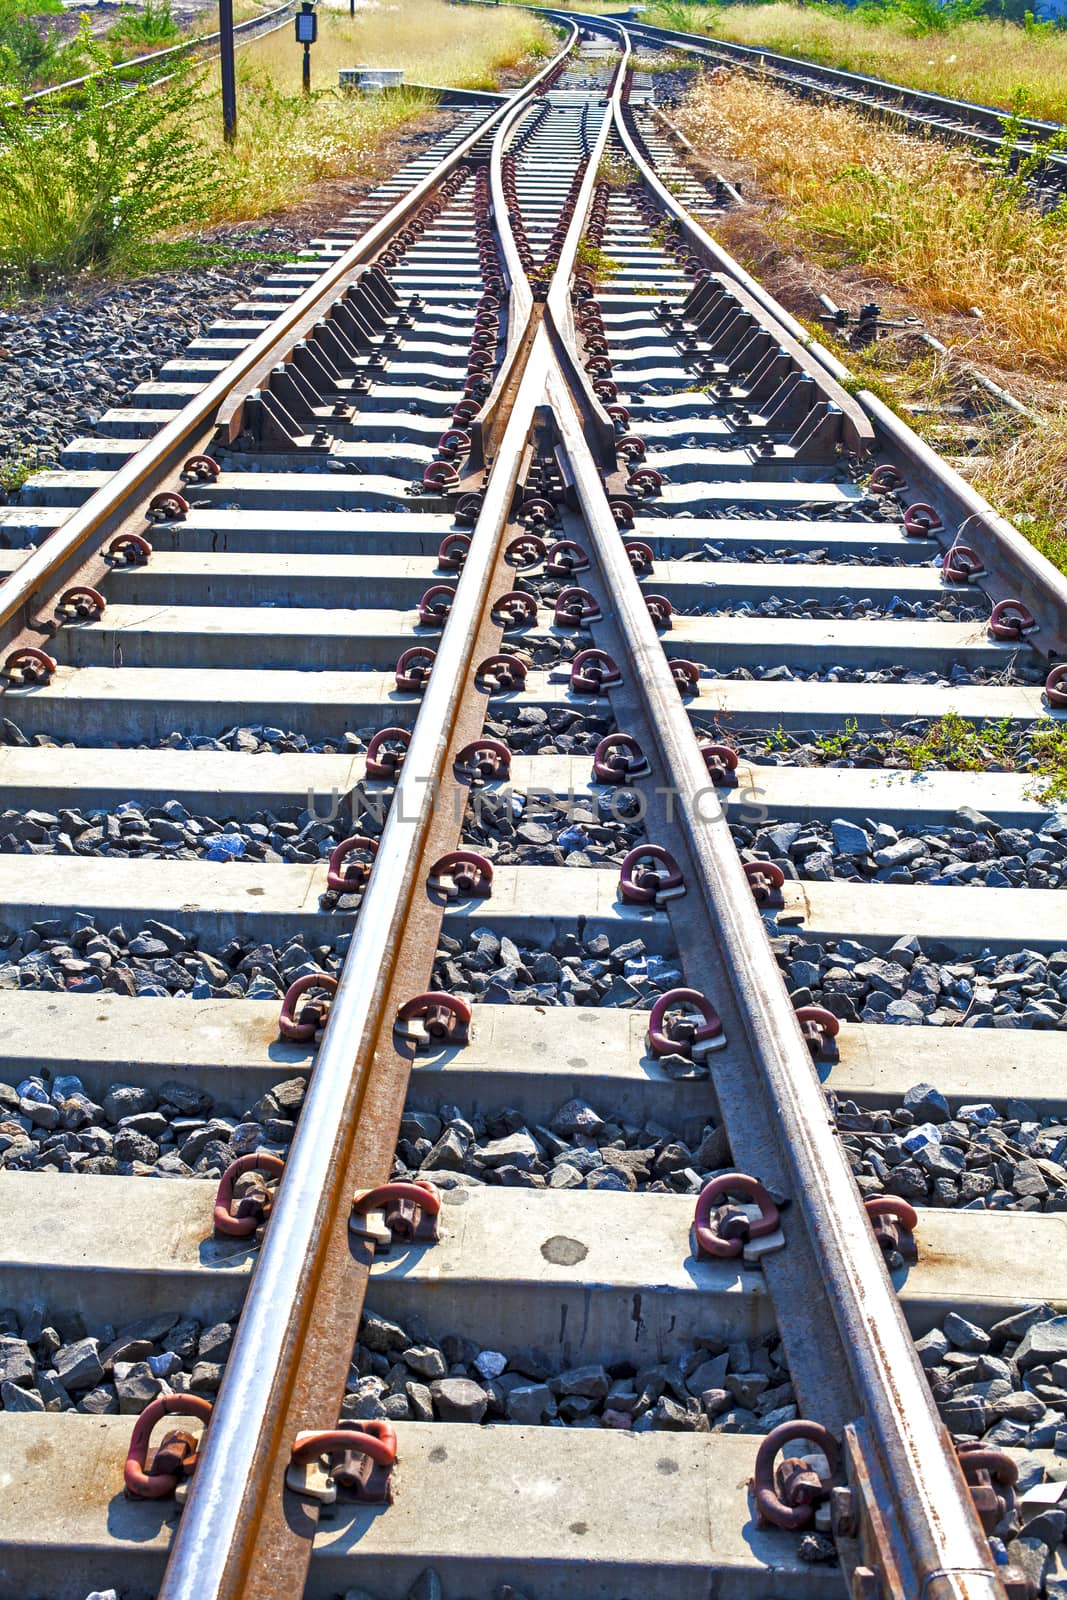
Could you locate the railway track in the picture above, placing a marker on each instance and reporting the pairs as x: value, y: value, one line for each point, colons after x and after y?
x: 412, y: 794
x: 148, y: 68
x: 916, y: 111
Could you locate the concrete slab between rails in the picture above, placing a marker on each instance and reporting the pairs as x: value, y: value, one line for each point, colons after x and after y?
x: 144, y: 704
x: 572, y: 1513
x: 737, y: 705
x: 725, y: 642
x: 926, y: 799
x: 218, y: 783
x: 329, y: 491
x: 258, y: 532
x: 532, y: 1058
x: 241, y: 578
x: 715, y: 582
x: 585, y: 1275
x: 270, y: 634
x: 841, y: 538
x: 279, y: 902
x: 224, y: 784
x: 879, y: 1064
x: 946, y: 919
x: 183, y: 576
x: 243, y: 637
x: 231, y: 1049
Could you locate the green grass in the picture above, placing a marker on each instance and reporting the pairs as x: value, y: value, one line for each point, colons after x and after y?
x: 150, y: 29
x: 88, y: 182
x: 952, y: 743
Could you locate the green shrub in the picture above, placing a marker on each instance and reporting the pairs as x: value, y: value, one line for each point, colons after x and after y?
x: 89, y: 183
x: 149, y: 29
x: 32, y: 54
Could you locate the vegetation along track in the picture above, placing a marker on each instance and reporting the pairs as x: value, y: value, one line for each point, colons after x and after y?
x: 148, y: 70
x: 517, y: 521
x: 995, y: 133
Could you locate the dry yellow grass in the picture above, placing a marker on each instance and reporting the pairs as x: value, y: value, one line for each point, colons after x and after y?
x: 287, y: 143
x: 986, y: 61
x: 911, y: 212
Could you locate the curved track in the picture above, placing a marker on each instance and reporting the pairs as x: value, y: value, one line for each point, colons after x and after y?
x: 516, y: 521
x: 914, y: 110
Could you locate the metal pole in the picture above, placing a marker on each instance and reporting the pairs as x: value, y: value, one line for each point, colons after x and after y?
x: 307, y: 69
x: 227, y: 70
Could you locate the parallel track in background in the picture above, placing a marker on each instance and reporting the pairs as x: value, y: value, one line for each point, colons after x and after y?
x: 484, y: 509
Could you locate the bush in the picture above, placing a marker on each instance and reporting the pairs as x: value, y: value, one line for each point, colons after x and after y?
x: 149, y: 29
x: 87, y: 184
x: 31, y: 54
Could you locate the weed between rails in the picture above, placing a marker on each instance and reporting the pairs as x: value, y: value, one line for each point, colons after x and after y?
x: 948, y: 744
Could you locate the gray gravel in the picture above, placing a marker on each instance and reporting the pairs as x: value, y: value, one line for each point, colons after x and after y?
x: 580, y: 1148
x: 408, y: 1374
x: 80, y: 957
x: 590, y: 972
x: 134, y: 1131
x: 50, y: 1361
x: 513, y: 830
x: 975, y: 850
x: 985, y: 1157
x: 949, y: 607
x: 65, y: 362
x: 251, y: 740
x: 904, y: 986
x: 957, y: 677
x: 1007, y: 1386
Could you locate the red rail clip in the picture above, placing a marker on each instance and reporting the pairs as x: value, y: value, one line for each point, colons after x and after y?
x: 386, y: 752
x: 460, y: 874
x: 357, y: 1457
x: 894, y: 1223
x: 788, y: 1498
x: 672, y: 1029
x: 254, y: 1204
x: 501, y: 674
x: 29, y: 666
x: 176, y: 1457
x: 618, y: 758
x: 641, y: 884
x: 734, y: 1227
x: 299, y: 1023
x: 347, y: 873
x: 410, y: 1211
x: 594, y: 672
x: 434, y: 1018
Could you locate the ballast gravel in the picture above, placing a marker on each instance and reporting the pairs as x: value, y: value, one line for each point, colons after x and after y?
x: 1006, y: 1386
x: 903, y: 986
x: 975, y: 850
x: 578, y: 1148
x: 63, y: 365
x: 982, y: 1157
x: 410, y: 1374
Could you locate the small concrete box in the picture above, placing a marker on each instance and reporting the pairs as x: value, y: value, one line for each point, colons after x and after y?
x: 369, y: 80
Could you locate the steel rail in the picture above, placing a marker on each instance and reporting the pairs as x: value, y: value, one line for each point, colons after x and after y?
x: 1017, y: 569
x: 100, y: 515
x: 218, y: 1552
x: 920, y: 1530
x: 983, y: 125
x: 185, y: 48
